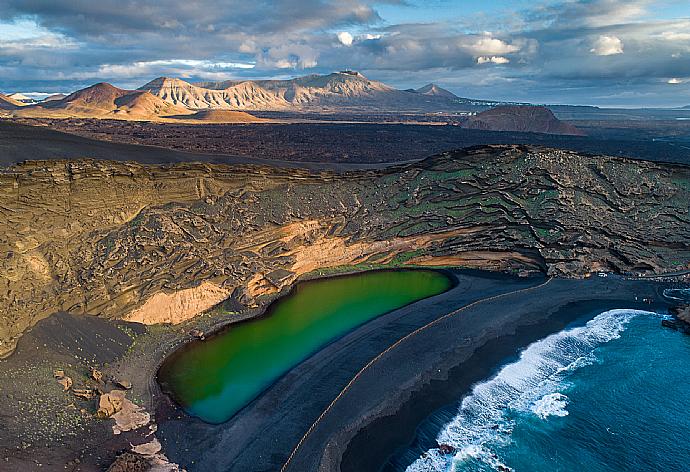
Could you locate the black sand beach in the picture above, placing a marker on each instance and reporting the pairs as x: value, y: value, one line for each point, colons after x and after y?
x: 381, y: 409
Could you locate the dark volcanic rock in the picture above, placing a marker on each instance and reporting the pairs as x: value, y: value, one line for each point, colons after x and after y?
x: 532, y: 119
x: 681, y: 319
x: 130, y: 462
x: 446, y: 449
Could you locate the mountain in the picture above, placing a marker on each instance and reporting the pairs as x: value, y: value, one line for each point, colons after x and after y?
x: 219, y: 116
x: 7, y: 103
x: 337, y: 91
x: 244, y: 95
x: 20, y: 97
x: 434, y: 90
x: 55, y: 97
x: 105, y: 101
x: 532, y: 119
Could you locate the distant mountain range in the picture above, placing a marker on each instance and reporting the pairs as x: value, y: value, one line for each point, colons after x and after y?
x: 171, y: 99
x: 340, y: 91
x: 106, y: 101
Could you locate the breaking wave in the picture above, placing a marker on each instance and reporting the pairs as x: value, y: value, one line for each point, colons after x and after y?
x: 532, y: 387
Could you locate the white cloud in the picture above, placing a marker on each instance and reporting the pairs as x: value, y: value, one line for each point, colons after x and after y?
x: 607, y: 46
x: 345, y: 38
x: 492, y: 46
x: 675, y: 36
x: 674, y: 81
x: 492, y: 59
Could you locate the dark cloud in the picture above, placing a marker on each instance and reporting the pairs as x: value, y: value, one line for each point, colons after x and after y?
x: 585, y: 51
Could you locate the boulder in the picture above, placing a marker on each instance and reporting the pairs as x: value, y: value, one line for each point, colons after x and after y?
x: 130, y: 417
x: 66, y: 383
x: 125, y: 384
x: 129, y: 462
x: 197, y: 334
x: 84, y: 393
x: 148, y: 449
x: 681, y: 319
x: 97, y: 375
x: 110, y: 403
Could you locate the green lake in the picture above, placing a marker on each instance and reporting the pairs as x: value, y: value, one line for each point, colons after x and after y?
x: 215, y: 378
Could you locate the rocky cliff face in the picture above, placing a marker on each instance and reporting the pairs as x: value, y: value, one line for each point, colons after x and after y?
x: 163, y: 243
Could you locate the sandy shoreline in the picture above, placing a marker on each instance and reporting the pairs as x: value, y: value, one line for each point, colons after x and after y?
x: 263, y: 435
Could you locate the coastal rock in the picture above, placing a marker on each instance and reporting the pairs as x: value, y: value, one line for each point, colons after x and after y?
x: 681, y: 312
x: 681, y: 319
x: 446, y: 449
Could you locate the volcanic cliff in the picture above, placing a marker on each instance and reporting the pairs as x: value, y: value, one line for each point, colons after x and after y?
x: 162, y: 243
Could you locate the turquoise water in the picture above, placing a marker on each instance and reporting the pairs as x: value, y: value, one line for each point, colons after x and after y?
x: 613, y: 395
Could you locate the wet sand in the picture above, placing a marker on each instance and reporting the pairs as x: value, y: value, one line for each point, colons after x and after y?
x: 381, y: 409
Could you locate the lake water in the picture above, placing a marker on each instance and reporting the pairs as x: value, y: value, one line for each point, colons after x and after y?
x: 215, y: 378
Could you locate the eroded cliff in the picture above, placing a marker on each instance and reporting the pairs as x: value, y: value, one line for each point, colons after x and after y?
x: 164, y: 243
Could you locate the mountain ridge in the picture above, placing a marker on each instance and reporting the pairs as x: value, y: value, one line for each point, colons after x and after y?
x: 338, y: 90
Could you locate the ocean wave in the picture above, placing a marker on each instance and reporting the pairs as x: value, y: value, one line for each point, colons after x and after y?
x: 680, y: 294
x: 532, y: 386
x: 551, y: 404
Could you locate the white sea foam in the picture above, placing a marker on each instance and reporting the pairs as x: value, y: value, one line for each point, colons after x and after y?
x: 680, y: 294
x: 551, y: 404
x: 533, y: 385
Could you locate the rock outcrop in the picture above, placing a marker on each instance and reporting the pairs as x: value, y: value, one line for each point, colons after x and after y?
x: 162, y: 243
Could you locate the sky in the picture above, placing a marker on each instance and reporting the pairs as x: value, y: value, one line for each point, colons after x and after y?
x: 590, y: 52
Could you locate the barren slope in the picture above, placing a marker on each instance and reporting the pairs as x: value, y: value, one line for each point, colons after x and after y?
x: 105, y: 101
x: 7, y: 103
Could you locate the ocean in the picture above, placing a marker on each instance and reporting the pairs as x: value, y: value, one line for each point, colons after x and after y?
x: 611, y: 394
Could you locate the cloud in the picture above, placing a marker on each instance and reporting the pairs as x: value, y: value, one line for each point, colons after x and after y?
x: 548, y: 50
x: 607, y: 46
x: 675, y: 81
x: 492, y: 59
x: 345, y: 38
